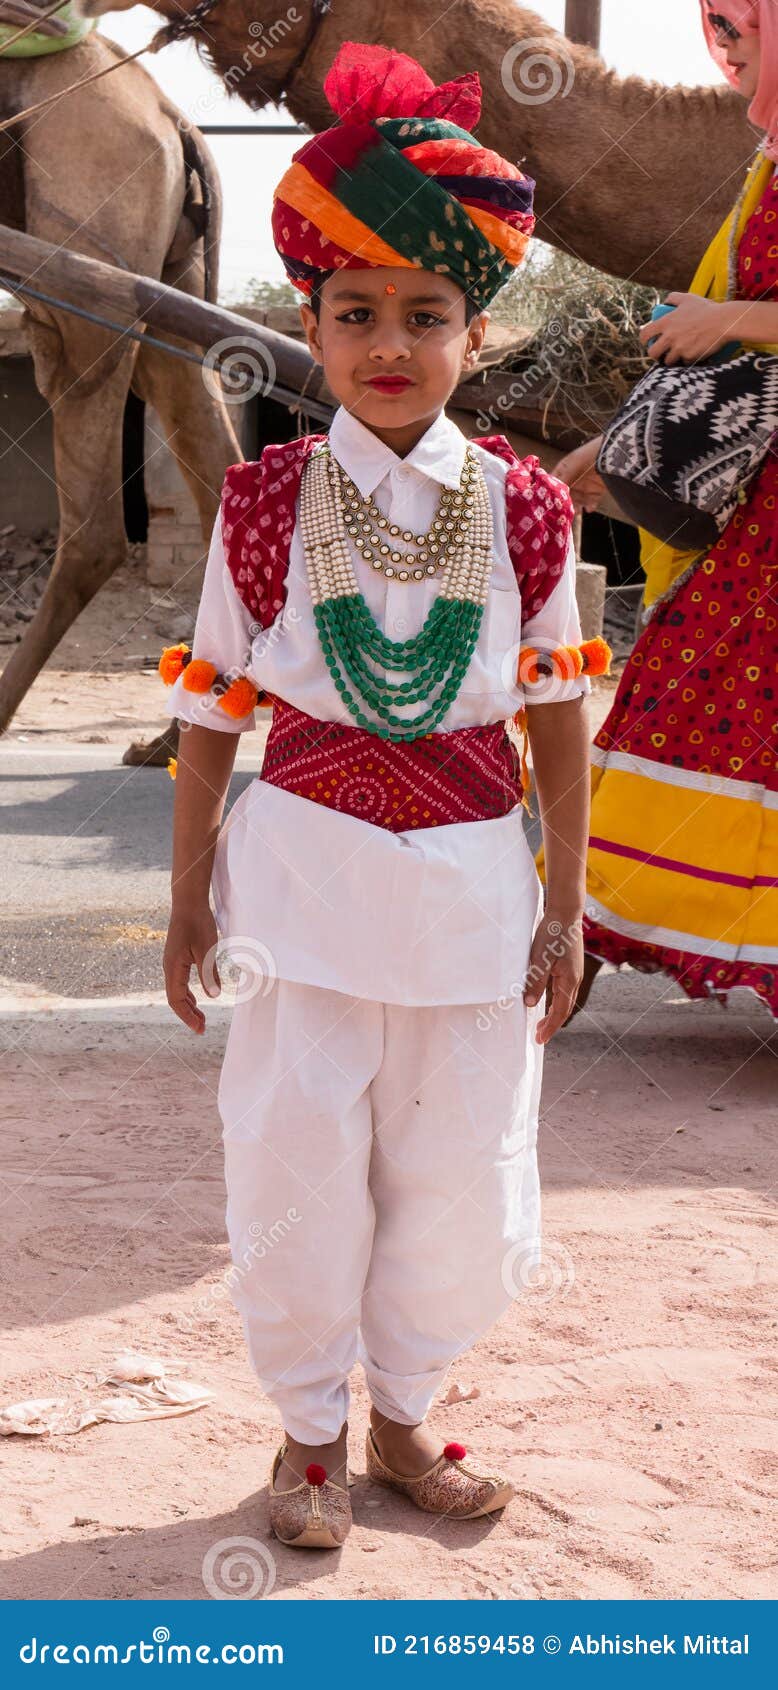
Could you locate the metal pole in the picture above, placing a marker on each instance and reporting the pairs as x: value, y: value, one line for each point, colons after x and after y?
x: 582, y: 21
x: 253, y: 129
x: 127, y: 300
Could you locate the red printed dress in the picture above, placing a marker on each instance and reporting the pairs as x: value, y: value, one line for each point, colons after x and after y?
x: 683, y: 852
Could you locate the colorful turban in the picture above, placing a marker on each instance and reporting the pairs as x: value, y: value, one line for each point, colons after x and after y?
x: 751, y: 17
x: 401, y: 181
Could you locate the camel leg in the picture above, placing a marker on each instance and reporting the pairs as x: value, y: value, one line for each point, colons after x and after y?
x: 87, y: 414
x: 203, y: 441
x: 197, y: 426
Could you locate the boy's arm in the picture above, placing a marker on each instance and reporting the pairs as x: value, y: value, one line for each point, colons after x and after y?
x: 560, y: 744
x: 205, y: 762
x: 209, y: 738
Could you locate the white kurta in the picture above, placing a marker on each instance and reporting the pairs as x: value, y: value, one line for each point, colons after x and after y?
x: 435, y: 915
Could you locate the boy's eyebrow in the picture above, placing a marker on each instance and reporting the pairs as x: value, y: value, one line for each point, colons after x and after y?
x: 413, y: 299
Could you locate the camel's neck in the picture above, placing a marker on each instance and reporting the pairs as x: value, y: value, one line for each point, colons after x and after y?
x: 620, y: 164
x: 256, y: 46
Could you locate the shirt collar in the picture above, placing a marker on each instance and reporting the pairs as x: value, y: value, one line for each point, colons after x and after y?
x: 440, y: 454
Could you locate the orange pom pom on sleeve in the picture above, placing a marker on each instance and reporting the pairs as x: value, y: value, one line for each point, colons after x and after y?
x: 597, y: 656
x: 570, y: 661
x: 199, y: 676
x: 239, y: 699
x: 171, y: 663
x: 528, y: 670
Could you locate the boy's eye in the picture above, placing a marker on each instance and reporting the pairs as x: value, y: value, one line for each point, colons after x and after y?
x: 360, y: 313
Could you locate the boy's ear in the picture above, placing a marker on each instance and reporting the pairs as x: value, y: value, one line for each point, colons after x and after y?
x: 310, y: 324
x: 476, y: 334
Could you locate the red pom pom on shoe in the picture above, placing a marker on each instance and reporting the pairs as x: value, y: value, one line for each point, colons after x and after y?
x: 455, y: 1452
x: 315, y: 1474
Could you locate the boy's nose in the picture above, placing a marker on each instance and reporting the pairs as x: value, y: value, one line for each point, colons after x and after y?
x: 388, y: 346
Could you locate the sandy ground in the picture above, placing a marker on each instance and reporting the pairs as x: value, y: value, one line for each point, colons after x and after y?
x: 630, y: 1392
x: 102, y: 683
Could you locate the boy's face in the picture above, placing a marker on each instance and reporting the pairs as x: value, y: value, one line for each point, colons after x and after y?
x: 393, y: 359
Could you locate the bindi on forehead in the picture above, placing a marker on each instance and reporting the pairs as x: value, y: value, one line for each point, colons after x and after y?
x: 355, y: 295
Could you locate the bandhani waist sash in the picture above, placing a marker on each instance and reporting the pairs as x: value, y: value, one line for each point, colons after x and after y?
x: 471, y: 774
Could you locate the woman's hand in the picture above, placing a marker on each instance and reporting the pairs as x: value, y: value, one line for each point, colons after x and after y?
x: 192, y: 938
x: 695, y: 329
x: 556, y: 960
x: 578, y: 471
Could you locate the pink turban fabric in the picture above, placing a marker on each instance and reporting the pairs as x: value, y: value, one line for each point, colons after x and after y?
x: 751, y: 17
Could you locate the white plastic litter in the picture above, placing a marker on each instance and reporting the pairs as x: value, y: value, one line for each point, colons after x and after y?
x: 138, y: 1387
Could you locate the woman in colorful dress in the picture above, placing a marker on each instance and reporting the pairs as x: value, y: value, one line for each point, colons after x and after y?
x: 682, y: 872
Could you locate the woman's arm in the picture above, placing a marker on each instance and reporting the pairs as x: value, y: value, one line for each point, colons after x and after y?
x: 205, y: 762
x: 699, y: 327
x: 559, y: 740
x: 578, y: 470
x: 753, y: 321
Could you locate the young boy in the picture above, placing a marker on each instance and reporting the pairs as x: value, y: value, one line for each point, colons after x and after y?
x: 380, y: 1087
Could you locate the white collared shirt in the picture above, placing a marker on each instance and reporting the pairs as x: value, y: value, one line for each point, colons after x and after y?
x: 434, y: 915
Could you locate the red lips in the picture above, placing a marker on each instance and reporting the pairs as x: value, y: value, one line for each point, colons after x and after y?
x: 389, y: 384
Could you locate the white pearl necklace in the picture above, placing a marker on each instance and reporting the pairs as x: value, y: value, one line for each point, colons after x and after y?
x: 328, y: 558
x: 372, y: 532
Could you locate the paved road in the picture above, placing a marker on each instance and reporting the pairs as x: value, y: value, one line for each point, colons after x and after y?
x: 86, y: 851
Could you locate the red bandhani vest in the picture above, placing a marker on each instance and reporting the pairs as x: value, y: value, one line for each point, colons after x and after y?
x: 471, y: 774
x: 259, y: 510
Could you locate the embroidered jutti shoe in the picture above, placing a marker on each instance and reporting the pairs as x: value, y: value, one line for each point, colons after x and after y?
x: 447, y: 1487
x: 313, y: 1515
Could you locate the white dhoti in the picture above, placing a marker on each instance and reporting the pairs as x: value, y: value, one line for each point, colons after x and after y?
x: 383, y: 1199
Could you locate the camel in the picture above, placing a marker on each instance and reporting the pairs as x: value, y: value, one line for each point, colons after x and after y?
x: 113, y: 172
x: 632, y: 176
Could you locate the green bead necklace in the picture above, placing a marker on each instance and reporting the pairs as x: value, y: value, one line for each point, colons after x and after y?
x: 438, y: 656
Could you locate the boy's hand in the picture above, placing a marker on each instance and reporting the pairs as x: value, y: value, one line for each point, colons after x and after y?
x: 556, y: 959
x: 192, y: 937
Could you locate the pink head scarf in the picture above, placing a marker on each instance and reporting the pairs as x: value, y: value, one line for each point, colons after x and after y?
x: 751, y: 17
